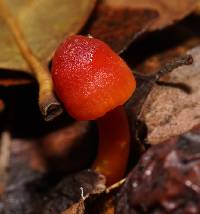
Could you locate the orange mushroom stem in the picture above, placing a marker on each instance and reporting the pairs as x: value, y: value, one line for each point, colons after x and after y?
x: 114, y: 141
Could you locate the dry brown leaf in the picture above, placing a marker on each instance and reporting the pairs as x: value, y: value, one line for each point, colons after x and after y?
x: 119, y: 26
x: 44, y: 24
x: 166, y: 179
x: 169, y: 11
x: 119, y: 22
x: 170, y: 111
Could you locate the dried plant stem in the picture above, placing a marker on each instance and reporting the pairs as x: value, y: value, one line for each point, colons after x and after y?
x: 49, y: 105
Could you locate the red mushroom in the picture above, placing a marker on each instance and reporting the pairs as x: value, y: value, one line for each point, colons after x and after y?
x: 93, y: 83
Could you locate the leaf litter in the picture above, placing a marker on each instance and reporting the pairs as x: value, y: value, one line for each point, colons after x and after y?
x: 36, y: 193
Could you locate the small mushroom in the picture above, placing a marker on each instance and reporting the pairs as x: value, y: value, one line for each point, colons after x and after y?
x: 93, y: 83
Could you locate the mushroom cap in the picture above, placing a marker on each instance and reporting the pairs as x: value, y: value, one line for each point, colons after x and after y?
x: 89, y: 78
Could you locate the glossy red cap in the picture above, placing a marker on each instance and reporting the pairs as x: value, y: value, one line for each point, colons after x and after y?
x: 90, y: 79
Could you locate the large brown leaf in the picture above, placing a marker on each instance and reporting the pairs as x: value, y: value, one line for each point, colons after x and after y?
x: 44, y: 23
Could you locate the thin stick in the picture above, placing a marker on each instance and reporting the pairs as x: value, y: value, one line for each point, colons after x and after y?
x: 49, y: 105
x: 115, y: 185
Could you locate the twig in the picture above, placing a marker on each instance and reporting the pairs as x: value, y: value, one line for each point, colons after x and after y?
x: 169, y: 67
x: 115, y: 185
x: 49, y: 105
